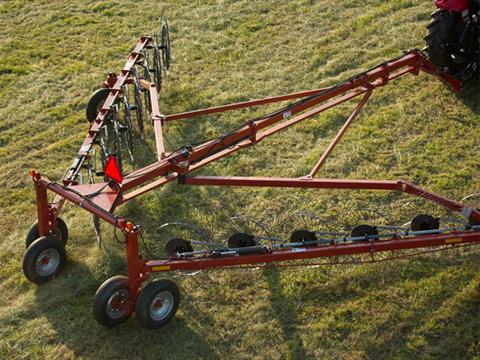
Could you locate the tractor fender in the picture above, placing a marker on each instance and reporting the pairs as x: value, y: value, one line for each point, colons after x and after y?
x: 452, y: 5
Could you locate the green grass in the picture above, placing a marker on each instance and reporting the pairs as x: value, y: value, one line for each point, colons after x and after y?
x: 55, y: 53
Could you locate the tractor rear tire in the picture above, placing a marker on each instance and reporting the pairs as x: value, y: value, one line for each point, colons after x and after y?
x: 441, y: 35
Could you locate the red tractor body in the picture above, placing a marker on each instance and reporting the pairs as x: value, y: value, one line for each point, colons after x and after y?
x: 452, y: 5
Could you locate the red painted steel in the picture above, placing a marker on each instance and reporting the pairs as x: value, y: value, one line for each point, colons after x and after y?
x: 157, y: 121
x: 136, y: 273
x: 339, y: 135
x: 314, y: 252
x: 292, y: 182
x: 452, y: 5
x: 410, y: 63
x: 241, y: 105
x: 44, y: 214
x: 102, y: 199
x: 69, y: 193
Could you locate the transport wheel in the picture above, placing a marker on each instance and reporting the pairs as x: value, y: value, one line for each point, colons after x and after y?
x: 424, y: 222
x: 303, y: 235
x: 178, y: 245
x: 60, y: 232
x: 95, y: 103
x: 157, y: 303
x: 364, y: 230
x: 239, y: 240
x: 110, y: 305
x: 44, y: 258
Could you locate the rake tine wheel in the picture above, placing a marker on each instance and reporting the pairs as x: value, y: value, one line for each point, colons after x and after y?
x: 146, y: 76
x: 157, y: 68
x: 160, y: 242
x: 165, y: 43
x: 154, y: 56
x: 247, y: 224
x: 303, y: 225
x: 127, y: 127
x: 137, y: 89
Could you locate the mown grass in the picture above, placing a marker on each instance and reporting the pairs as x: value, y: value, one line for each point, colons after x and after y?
x: 54, y: 53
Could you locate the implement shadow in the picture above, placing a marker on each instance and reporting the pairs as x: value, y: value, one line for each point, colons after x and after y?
x: 285, y: 311
x: 470, y: 96
x: 66, y: 303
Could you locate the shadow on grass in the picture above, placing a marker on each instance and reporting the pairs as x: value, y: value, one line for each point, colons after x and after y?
x: 445, y: 327
x: 66, y: 303
x: 284, y: 309
x: 347, y: 287
x: 470, y: 95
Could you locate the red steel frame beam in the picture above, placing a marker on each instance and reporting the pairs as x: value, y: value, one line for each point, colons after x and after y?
x: 241, y: 105
x: 364, y: 247
x: 292, y: 182
x: 313, y: 103
x: 247, y: 135
x: 379, y: 76
x: 339, y: 135
x: 70, y: 177
x: 399, y: 185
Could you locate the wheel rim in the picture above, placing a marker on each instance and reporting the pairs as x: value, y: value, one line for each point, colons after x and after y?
x: 57, y: 234
x: 47, y: 262
x: 117, y: 304
x: 161, y: 305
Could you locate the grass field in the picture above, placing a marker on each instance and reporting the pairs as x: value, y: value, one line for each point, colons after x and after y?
x: 55, y: 53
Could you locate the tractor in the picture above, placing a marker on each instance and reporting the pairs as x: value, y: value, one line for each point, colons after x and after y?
x: 453, y: 39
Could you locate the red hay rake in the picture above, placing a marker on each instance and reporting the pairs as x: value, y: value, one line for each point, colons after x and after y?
x: 156, y: 302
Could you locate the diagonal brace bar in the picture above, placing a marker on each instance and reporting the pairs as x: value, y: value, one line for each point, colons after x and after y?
x: 339, y: 135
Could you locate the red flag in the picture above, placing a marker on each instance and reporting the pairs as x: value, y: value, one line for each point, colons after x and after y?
x: 112, y: 169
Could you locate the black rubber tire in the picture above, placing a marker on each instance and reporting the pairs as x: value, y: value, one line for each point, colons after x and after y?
x: 442, y: 30
x: 148, y: 295
x: 102, y: 298
x: 95, y: 103
x: 33, y: 233
x: 35, y: 250
x: 424, y: 222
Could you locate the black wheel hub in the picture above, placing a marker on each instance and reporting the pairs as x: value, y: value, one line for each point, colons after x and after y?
x: 178, y: 246
x: 302, y: 236
x: 239, y: 240
x: 364, y: 231
x: 424, y: 222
